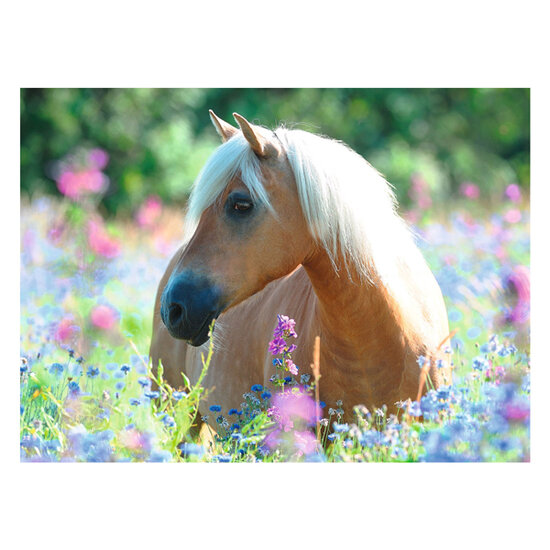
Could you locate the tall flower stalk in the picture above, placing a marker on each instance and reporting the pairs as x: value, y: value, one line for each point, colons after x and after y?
x: 282, y: 350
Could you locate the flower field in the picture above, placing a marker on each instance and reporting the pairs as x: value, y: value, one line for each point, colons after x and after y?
x: 88, y: 394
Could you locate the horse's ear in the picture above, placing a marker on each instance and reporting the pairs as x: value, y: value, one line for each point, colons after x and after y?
x: 225, y: 130
x: 258, y: 143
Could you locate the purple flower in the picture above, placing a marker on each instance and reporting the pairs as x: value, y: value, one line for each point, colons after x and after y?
x: 98, y: 158
x: 285, y: 325
x: 277, y: 346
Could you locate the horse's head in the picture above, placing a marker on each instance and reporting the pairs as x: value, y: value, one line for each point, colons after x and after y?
x: 250, y: 230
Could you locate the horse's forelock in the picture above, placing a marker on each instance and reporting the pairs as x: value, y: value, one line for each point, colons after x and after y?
x: 235, y: 157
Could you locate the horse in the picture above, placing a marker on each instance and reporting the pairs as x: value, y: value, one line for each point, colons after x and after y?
x: 287, y: 222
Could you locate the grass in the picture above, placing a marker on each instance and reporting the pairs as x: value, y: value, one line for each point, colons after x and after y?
x: 88, y: 393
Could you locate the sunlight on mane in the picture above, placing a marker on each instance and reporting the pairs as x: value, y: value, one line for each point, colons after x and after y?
x: 349, y: 207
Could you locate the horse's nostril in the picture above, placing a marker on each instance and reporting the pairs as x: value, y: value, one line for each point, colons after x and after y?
x: 175, y: 313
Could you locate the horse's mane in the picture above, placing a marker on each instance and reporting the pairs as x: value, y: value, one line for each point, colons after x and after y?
x: 349, y: 207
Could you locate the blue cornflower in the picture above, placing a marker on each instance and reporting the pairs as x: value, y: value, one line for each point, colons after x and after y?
x: 237, y: 436
x: 439, y: 363
x: 177, y: 395
x: 304, y: 379
x: 443, y: 392
x: 125, y: 369
x: 235, y: 427
x: 92, y: 372
x: 220, y: 419
x: 74, y: 388
x: 332, y: 437
x: 222, y: 458
x: 414, y: 409
x: 277, y: 362
x: 168, y: 421
x: 159, y: 456
x: 91, y: 447
x: 265, y: 395
x: 340, y: 428
x: 257, y: 387
x: 144, y: 381
x: 480, y: 363
x: 232, y: 411
x: 56, y: 369
x: 135, y: 402
x: 151, y: 394
x: 215, y: 408
x: 119, y: 385
x: 191, y: 449
x: 422, y: 361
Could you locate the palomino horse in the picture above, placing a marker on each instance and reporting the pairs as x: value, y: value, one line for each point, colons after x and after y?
x: 287, y: 222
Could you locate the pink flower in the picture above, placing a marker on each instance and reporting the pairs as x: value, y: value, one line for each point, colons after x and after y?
x: 519, y: 283
x: 103, y: 317
x: 513, y: 216
x: 135, y: 440
x: 424, y: 202
x: 100, y: 242
x: 295, y: 405
x: 75, y: 184
x: 516, y: 412
x: 56, y: 231
x: 305, y: 441
x: 292, y: 367
x: 469, y: 190
x: 65, y: 330
x: 149, y: 212
x: 513, y: 192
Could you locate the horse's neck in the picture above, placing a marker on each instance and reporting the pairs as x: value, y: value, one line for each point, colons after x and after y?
x: 356, y: 318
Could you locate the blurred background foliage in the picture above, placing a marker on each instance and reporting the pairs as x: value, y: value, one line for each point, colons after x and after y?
x: 158, y: 139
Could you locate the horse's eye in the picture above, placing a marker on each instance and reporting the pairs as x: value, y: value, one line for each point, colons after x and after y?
x: 242, y: 205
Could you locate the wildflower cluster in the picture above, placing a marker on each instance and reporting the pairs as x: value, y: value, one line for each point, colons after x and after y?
x: 282, y: 351
x: 86, y: 394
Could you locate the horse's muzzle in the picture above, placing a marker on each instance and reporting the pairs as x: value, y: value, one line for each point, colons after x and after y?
x: 188, y: 305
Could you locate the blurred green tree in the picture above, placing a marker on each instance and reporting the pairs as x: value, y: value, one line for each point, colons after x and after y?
x: 158, y: 139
